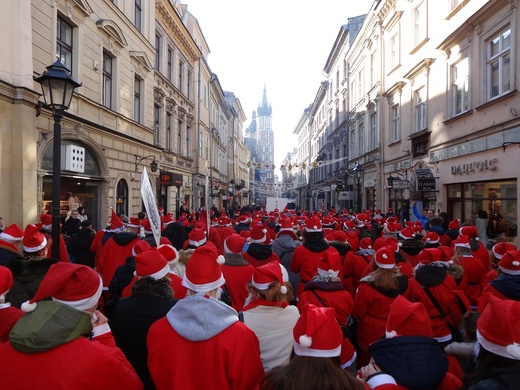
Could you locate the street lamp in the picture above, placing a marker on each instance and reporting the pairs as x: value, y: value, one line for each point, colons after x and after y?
x: 358, y: 174
x: 58, y: 87
x: 232, y: 190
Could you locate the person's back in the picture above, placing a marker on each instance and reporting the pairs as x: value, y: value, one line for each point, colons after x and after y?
x: 200, y: 331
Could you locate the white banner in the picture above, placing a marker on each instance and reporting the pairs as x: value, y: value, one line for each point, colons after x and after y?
x: 151, y: 207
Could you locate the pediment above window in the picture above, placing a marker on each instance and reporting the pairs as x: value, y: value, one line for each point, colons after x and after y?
x: 142, y: 58
x: 113, y: 30
x: 84, y: 6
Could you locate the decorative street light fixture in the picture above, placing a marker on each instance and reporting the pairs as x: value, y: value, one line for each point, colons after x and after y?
x: 58, y: 87
x: 153, y: 165
x: 358, y: 174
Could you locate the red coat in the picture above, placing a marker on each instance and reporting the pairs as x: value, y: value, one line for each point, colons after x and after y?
x: 371, y: 308
x: 8, y: 317
x: 114, y: 254
x: 78, y: 364
x: 475, y: 274
x: 97, y: 243
x: 237, y: 276
x: 256, y: 262
x: 64, y: 254
x: 354, y: 268
x: 229, y: 360
x: 224, y: 232
x: 305, y: 262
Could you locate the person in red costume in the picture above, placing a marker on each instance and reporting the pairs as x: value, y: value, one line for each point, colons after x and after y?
x: 202, y: 326
x: 259, y: 253
x: 61, y: 330
x: 8, y: 314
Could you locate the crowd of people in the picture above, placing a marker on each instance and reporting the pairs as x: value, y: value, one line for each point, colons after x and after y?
x: 259, y: 300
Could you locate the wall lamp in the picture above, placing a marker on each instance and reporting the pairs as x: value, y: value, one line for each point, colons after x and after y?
x: 153, y: 165
x: 390, y: 179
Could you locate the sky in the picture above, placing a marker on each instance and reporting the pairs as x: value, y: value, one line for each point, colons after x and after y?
x: 282, y: 44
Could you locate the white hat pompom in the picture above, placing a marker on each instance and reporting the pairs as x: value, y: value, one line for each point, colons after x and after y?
x: 283, y: 290
x: 221, y: 259
x: 385, y: 256
x: 514, y: 350
x: 28, y: 307
x: 391, y: 334
x: 305, y: 341
x: 476, y: 238
x: 516, y: 263
x: 315, y: 227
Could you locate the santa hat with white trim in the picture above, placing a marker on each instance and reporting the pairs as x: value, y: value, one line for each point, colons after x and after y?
x: 151, y: 263
x: 140, y: 246
x: 197, y: 237
x: 258, y: 234
x: 313, y: 224
x: 147, y: 226
x: 499, y: 249
x: 385, y: 257
x: 170, y: 253
x: 234, y: 243
x: 134, y: 222
x: 470, y: 231
x: 329, y: 264
x: 74, y: 285
x: 498, y: 328
x: 33, y: 240
x: 46, y: 222
x: 116, y: 223
x: 267, y: 274
x: 12, y: 233
x: 317, y: 333
x: 407, y: 319
x: 431, y: 238
x: 462, y: 241
x: 510, y: 263
x: 204, y: 269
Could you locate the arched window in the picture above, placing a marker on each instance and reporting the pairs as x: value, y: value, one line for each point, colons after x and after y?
x: 122, y: 197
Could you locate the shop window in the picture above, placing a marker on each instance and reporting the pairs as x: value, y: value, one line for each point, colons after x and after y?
x: 91, y: 165
x: 122, y: 197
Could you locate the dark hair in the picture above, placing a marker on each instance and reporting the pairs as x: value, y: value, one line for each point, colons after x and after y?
x: 304, y: 372
x: 435, y: 221
x: 312, y: 235
x: 485, y: 362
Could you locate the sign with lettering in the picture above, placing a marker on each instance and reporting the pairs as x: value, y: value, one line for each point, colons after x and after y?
x: 170, y: 179
x: 477, y: 166
x: 423, y: 172
x: 399, y: 184
x: 425, y: 184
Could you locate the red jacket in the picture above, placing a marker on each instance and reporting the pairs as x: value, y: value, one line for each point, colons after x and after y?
x: 237, y: 275
x: 8, y: 317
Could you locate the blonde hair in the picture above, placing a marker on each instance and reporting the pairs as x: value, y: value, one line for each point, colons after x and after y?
x: 384, y: 278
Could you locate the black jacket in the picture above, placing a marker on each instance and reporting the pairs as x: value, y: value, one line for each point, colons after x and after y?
x: 79, y: 247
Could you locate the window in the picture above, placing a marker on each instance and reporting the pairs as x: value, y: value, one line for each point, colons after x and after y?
x: 157, y: 52
x: 169, y: 131
x: 137, y: 99
x: 181, y: 76
x: 420, y: 109
x: 460, y: 86
x: 361, y: 84
x: 107, y: 80
x: 170, y: 64
x: 353, y: 141
x: 373, y: 131
x: 499, y: 63
x: 205, y: 97
x: 190, y: 86
x: 420, y: 23
x: 64, y: 43
x: 394, y: 51
x: 361, y: 131
x: 180, y: 135
x: 188, y: 141
x: 396, y: 125
x: 207, y: 147
x: 138, y: 14
x: 122, y: 197
x: 373, y: 69
x: 200, y: 143
x: 353, y: 100
x: 156, y: 124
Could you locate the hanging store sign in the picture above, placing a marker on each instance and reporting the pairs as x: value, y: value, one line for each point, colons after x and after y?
x: 170, y: 179
x: 399, y: 184
x: 426, y: 184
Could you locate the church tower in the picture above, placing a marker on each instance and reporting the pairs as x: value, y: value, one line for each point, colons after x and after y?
x: 265, y: 139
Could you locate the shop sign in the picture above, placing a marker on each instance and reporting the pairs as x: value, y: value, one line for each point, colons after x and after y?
x: 340, y: 188
x: 425, y: 184
x: 477, y: 166
x: 398, y: 184
x: 321, y: 196
x: 423, y: 172
x: 345, y: 195
x: 170, y: 179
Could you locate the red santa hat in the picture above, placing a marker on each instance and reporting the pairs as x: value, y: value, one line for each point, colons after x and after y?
x: 385, y: 257
x: 349, y: 224
x: 454, y: 224
x: 407, y: 319
x: 392, y: 227
x: 317, y: 333
x: 197, y: 237
x: 33, y: 240
x: 243, y: 219
x: 431, y: 238
x: 340, y: 236
x: 383, y: 241
x: 134, y: 222
x: 167, y: 219
x: 407, y: 233
x: 147, y: 226
x: 462, y: 241
x: 313, y: 224
x: 12, y: 233
x: 6, y: 280
x: 329, y: 264
x: 46, y: 222
x: 499, y: 249
x: 234, y: 243
x: 74, y: 285
x: 170, y: 253
x: 431, y: 255
x: 151, y: 263
x: 258, y: 234
x: 286, y: 225
x: 446, y: 254
x: 245, y: 233
x: 204, y: 270
x: 140, y: 246
x: 498, y: 328
x: 365, y: 243
x: 223, y: 221
x: 267, y: 274
x: 470, y: 231
x: 115, y: 222
x: 510, y: 263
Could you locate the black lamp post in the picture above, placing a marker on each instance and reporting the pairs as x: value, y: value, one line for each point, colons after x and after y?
x: 58, y: 87
x: 358, y: 174
x: 232, y: 190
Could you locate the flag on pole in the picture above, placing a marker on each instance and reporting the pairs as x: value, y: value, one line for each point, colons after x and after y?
x: 150, y: 206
